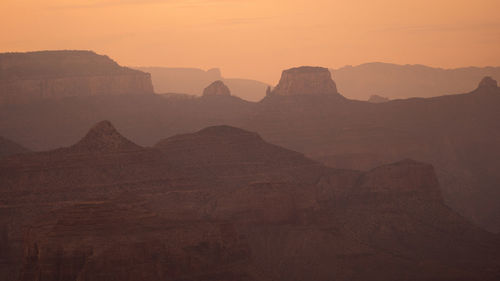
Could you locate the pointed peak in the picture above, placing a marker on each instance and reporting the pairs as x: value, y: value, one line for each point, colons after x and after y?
x: 217, y: 88
x: 104, y: 137
x: 488, y: 83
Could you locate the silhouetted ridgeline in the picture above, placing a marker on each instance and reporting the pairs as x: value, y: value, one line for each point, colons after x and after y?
x: 406, y: 81
x: 355, y: 82
x: 25, y: 77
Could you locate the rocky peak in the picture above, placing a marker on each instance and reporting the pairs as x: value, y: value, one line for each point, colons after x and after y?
x: 488, y: 83
x: 217, y: 88
x: 104, y: 137
x: 305, y: 80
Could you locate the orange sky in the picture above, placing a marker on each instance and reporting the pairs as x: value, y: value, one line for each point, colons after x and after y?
x: 258, y: 38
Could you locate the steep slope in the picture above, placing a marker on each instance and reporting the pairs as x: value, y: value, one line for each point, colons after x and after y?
x: 27, y: 77
x: 223, y: 204
x: 407, y: 81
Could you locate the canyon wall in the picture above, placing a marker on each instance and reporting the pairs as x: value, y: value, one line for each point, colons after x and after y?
x: 25, y: 77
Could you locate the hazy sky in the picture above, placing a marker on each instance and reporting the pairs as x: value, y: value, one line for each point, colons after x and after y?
x: 257, y: 39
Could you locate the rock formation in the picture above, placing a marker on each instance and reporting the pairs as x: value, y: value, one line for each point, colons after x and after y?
x: 217, y: 88
x: 25, y: 77
x: 223, y: 204
x: 305, y: 80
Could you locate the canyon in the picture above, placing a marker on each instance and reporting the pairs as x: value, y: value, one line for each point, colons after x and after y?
x: 223, y: 204
x: 303, y: 184
x: 457, y: 134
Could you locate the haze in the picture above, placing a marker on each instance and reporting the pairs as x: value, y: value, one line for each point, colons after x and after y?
x: 257, y: 39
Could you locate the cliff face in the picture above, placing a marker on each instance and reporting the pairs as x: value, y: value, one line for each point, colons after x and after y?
x: 25, y: 77
x: 305, y: 80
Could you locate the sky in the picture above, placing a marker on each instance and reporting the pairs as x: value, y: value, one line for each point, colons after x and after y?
x: 257, y: 39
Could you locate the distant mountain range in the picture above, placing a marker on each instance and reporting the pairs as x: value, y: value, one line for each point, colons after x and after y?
x: 360, y: 82
x: 406, y: 81
x: 25, y: 77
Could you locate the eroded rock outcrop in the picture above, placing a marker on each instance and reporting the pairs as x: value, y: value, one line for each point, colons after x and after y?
x: 25, y: 77
x: 305, y: 80
x: 217, y: 88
